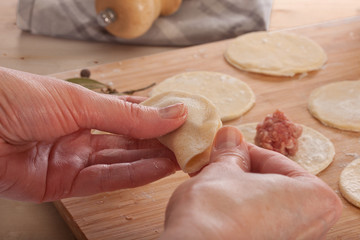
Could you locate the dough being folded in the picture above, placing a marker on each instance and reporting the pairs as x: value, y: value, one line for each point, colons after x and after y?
x: 231, y: 96
x: 192, y: 142
x: 275, y: 53
x: 315, y: 152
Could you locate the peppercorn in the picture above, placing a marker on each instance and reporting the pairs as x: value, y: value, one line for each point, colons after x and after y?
x: 85, y: 73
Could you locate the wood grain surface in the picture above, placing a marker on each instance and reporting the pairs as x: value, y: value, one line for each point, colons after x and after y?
x: 139, y: 213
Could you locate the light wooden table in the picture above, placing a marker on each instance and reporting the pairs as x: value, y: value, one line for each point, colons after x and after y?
x: 43, y: 55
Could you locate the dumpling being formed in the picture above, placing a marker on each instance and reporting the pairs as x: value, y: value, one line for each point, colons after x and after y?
x: 192, y: 142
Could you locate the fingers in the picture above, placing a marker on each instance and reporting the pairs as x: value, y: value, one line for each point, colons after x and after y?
x: 111, y: 156
x: 111, y: 141
x: 266, y: 161
x: 110, y: 149
x: 230, y: 147
x: 103, y: 178
x: 111, y: 114
x: 68, y: 107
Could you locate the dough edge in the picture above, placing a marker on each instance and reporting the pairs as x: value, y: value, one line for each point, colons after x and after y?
x: 334, y: 123
x: 277, y: 72
x: 344, y: 183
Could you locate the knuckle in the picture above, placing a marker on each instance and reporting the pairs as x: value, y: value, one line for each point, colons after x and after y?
x: 235, y: 156
x: 193, y: 190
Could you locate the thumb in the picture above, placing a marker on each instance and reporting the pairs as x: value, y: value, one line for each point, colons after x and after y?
x: 111, y: 114
x: 229, y: 147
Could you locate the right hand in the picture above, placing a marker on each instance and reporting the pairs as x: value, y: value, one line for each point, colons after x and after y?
x: 247, y: 192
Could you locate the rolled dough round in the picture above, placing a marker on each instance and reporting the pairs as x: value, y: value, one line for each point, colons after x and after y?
x: 337, y: 105
x: 349, y: 183
x: 315, y: 152
x: 275, y: 53
x: 231, y: 96
x: 192, y: 142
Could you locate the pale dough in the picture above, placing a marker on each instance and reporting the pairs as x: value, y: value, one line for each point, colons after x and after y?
x: 315, y: 152
x: 350, y: 182
x: 191, y: 143
x: 337, y: 105
x: 275, y: 53
x: 231, y: 96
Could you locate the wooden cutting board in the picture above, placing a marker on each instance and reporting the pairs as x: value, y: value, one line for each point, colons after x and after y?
x: 139, y: 213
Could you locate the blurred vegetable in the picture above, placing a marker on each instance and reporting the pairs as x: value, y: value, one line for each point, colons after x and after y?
x: 95, y: 85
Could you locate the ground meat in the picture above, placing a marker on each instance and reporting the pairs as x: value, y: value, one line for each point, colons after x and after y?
x: 279, y: 134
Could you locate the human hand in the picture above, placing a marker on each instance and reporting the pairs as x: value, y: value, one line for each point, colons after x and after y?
x: 247, y: 192
x: 47, y: 151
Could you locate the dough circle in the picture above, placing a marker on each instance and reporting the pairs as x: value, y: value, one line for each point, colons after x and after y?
x: 337, y: 105
x: 349, y: 183
x: 315, y: 152
x: 231, y: 96
x: 275, y: 53
x: 192, y: 142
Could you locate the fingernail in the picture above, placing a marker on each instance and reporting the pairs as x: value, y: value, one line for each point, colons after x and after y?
x: 172, y: 111
x: 228, y: 137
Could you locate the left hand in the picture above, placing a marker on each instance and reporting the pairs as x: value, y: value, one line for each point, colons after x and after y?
x: 47, y: 151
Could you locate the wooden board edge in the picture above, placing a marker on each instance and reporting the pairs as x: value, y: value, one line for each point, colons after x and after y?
x: 64, y: 213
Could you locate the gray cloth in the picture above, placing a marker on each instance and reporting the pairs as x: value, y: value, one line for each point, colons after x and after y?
x: 196, y: 22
